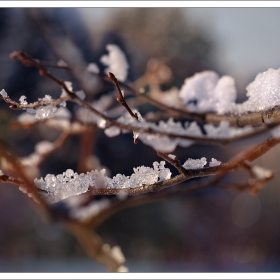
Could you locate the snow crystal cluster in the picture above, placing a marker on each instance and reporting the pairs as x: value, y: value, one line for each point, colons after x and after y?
x: 195, y: 163
x: 55, y: 188
x: 42, y: 112
x: 200, y: 163
x: 224, y: 130
x: 206, y: 92
x: 116, y: 62
x: 165, y: 143
x: 209, y: 92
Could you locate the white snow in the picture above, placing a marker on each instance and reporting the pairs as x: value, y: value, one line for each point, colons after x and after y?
x: 195, y: 163
x: 3, y: 93
x: 263, y: 93
x: 116, y: 62
x: 214, y: 162
x: 211, y: 93
x: 70, y: 183
x: 22, y: 100
x: 172, y: 156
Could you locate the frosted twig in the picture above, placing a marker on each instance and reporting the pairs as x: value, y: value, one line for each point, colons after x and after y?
x: 241, y: 120
x: 110, y: 122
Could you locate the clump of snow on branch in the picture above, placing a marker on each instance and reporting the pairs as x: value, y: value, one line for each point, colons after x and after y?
x: 3, y: 93
x: 172, y: 156
x: 42, y: 112
x: 70, y: 183
x: 165, y: 143
x: 195, y: 163
x: 263, y: 93
x: 224, y: 130
x: 206, y: 92
x: 116, y: 62
x: 214, y: 162
x: 209, y: 92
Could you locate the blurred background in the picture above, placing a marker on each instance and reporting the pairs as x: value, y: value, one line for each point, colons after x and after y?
x: 208, y: 231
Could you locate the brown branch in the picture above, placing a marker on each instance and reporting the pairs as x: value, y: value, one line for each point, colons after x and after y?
x: 241, y: 120
x: 110, y: 122
x: 121, y: 99
x: 188, y: 174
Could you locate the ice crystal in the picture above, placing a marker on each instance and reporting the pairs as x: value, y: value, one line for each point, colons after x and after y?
x: 224, y: 130
x: 214, y: 162
x: 116, y: 62
x: 3, y: 93
x: 22, y: 100
x: 195, y: 163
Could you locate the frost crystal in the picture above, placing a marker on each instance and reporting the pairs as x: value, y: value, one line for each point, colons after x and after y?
x: 3, y: 93
x: 263, y: 93
x: 209, y: 93
x: 22, y: 100
x: 195, y: 163
x: 224, y: 130
x: 93, y: 68
x: 116, y: 62
x: 214, y: 162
